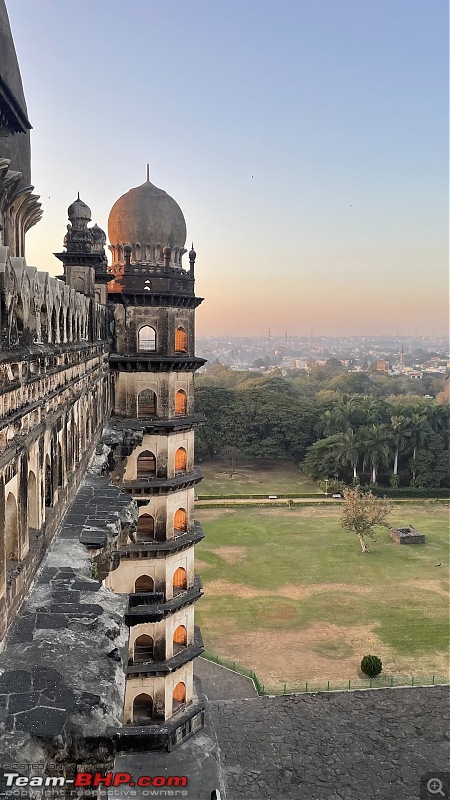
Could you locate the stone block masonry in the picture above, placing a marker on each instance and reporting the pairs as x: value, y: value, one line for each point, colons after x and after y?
x: 62, y: 669
x: 408, y: 535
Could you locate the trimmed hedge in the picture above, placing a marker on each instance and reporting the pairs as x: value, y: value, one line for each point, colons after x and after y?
x: 406, y: 491
x: 258, y: 496
x: 378, y: 491
x: 256, y: 504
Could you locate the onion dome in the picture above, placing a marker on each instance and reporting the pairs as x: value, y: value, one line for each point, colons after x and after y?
x: 98, y: 238
x: 149, y: 219
x: 78, y: 211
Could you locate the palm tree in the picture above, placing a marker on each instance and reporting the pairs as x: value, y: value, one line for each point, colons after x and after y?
x: 348, y: 450
x: 400, y: 435
x: 420, y: 430
x: 439, y: 418
x: 325, y: 426
x: 371, y: 409
x: 376, y: 447
x: 343, y: 414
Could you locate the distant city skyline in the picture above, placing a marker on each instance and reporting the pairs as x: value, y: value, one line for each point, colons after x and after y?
x: 305, y: 141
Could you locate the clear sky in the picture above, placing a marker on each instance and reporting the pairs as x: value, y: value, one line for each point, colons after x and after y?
x: 305, y: 141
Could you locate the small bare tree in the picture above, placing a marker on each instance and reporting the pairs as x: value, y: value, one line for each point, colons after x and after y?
x: 231, y: 456
x: 362, y: 513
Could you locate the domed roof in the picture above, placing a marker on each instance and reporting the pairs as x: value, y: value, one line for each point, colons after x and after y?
x: 79, y: 210
x: 98, y: 238
x: 147, y: 215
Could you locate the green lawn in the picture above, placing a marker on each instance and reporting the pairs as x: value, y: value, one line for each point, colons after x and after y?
x: 289, y: 594
x: 257, y: 477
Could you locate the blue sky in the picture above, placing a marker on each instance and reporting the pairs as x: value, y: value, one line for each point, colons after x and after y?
x: 305, y: 140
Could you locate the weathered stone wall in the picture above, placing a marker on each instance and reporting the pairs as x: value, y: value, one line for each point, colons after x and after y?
x: 160, y: 570
x: 165, y: 321
x: 162, y: 633
x: 62, y: 676
x: 165, y: 385
x: 55, y: 397
x: 163, y: 509
x: 38, y: 309
x: 164, y: 450
x: 161, y: 689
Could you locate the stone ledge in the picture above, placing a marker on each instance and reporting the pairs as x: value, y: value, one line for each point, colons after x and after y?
x: 74, y: 630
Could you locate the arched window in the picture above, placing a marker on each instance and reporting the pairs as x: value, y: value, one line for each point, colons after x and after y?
x: 147, y: 339
x: 180, y: 520
x: 142, y: 709
x: 179, y: 580
x: 179, y: 639
x: 146, y: 465
x: 19, y: 319
x: 48, y: 483
x: 180, y: 402
x: 33, y: 513
x: 144, y: 584
x: 143, y: 649
x: 44, y: 324
x: 78, y: 284
x: 60, y: 465
x: 180, y: 460
x: 145, y: 528
x: 179, y: 695
x: 11, y: 529
x: 180, y: 340
x: 54, y: 325
x: 147, y: 403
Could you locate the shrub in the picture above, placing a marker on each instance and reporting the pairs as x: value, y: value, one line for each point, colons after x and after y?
x: 371, y: 666
x: 407, y: 491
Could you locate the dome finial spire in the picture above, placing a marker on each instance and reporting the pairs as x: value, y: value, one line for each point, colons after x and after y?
x: 148, y: 172
x: 78, y: 196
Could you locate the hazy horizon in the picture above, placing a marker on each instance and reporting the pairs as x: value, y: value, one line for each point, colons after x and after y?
x: 305, y: 141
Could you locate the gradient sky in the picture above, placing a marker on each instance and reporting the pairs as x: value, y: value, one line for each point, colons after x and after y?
x: 305, y: 140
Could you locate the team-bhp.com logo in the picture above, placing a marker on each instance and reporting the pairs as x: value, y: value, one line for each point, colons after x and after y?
x: 93, y: 780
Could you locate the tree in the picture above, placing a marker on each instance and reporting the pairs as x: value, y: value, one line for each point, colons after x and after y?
x: 362, y: 513
x: 326, y: 424
x: 344, y: 413
x: 348, y: 450
x: 321, y: 458
x: 420, y: 431
x: 400, y: 436
x: 371, y: 409
x: 219, y: 407
x: 431, y: 464
x: 231, y: 456
x: 377, y: 448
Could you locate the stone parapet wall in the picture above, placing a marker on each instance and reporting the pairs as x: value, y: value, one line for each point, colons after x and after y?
x: 54, y: 402
x: 37, y: 308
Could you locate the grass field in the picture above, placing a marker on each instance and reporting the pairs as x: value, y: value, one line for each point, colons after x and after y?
x: 289, y: 594
x: 258, y: 477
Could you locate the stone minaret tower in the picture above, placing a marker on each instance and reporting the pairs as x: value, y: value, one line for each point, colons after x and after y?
x: 152, y: 437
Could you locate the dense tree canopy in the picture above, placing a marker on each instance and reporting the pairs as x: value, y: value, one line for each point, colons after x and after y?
x: 362, y: 428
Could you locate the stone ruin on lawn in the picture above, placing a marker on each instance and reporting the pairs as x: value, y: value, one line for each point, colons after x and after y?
x: 407, y: 535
